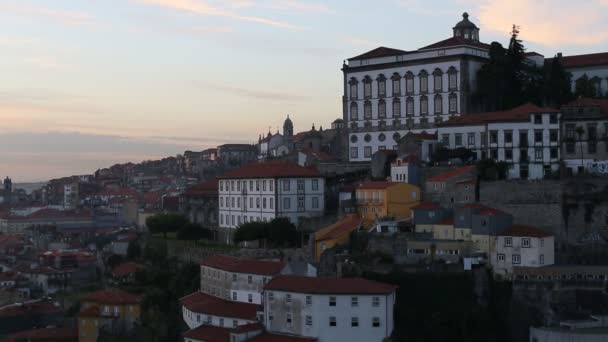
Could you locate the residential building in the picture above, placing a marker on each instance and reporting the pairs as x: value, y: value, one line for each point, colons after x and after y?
x: 71, y: 198
x: 522, y: 246
x: 200, y: 203
x: 422, y: 145
x: 111, y: 310
x: 237, y: 279
x: 453, y: 187
x: 484, y: 222
x: 125, y: 272
x: 390, y: 92
x: 584, y: 143
x: 253, y: 332
x: 30, y: 313
x: 236, y: 154
x: 267, y: 190
x: 406, y: 169
x: 382, y: 199
x: 526, y: 137
x: 427, y: 250
x: 200, y: 308
x: 61, y: 218
x: 329, y: 309
x: 593, y: 67
x: 336, y: 234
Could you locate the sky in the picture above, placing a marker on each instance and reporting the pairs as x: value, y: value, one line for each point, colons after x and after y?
x: 85, y: 84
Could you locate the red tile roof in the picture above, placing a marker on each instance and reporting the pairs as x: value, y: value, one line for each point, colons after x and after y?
x: 267, y: 337
x: 126, y: 269
x: 452, y: 173
x: 247, y: 328
x: 456, y: 41
x: 321, y: 285
x: 517, y: 114
x: 376, y: 185
x: 272, y: 169
x: 241, y: 265
x: 448, y: 221
x: 113, y: 296
x: 583, y: 60
x: 344, y: 226
x: 484, y: 210
x: 200, y: 302
x: 379, y: 52
x: 523, y: 230
x: 8, y: 276
x: 467, y: 181
x: 29, y: 308
x: 45, y: 335
x: 207, y: 188
x: 427, y: 206
x: 209, y: 333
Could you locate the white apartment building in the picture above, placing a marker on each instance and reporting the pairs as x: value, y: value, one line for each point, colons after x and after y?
x: 267, y: 190
x: 522, y: 246
x: 236, y: 279
x: 329, y: 309
x: 390, y: 92
x: 527, y: 137
x: 200, y: 308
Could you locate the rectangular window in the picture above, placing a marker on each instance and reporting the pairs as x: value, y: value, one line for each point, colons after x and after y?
x: 591, y: 146
x: 494, y: 154
x: 508, y: 242
x: 270, y: 296
x: 542, y: 259
x: 396, y: 87
x: 538, y: 153
x: 438, y: 105
x: 437, y: 80
x: 538, y: 119
x: 471, y: 139
x: 332, y: 301
x: 553, y: 119
x: 500, y: 257
x: 553, y: 135
x: 375, y: 302
x: 272, y: 203
x: 367, y: 87
x: 424, y: 84
x: 271, y: 185
x: 250, y: 298
x: 221, y: 322
x: 308, y: 300
x: 288, y: 319
x: 354, y: 321
x: 396, y: 109
x: 315, y: 184
x: 257, y: 185
x: 332, y: 321
x: 354, y: 152
x: 257, y: 202
x: 570, y: 131
x: 409, y: 85
x: 238, y: 186
x: 354, y: 302
x: 516, y: 259
x: 367, y: 152
x: 424, y: 106
x: 410, y: 107
x: 286, y: 185
x: 508, y: 137
x: 538, y: 135
x: 453, y: 104
x: 376, y: 322
x: 452, y: 80
x: 523, y: 138
x: 249, y: 279
x: 592, y: 131
x: 287, y: 203
x: 508, y: 154
x: 288, y: 298
x: 353, y: 91
x: 493, y: 137
x: 263, y: 185
x: 525, y: 242
x: 308, y: 320
x: 570, y: 147
x: 381, y: 88
x: 445, y: 140
x: 458, y: 139
x: 235, y: 323
x: 315, y: 203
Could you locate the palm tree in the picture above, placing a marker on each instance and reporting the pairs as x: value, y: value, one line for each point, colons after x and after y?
x: 580, y: 131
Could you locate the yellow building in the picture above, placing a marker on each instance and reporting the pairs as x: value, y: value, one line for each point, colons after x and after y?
x: 445, y: 230
x: 386, y: 199
x: 112, y: 310
x: 337, y: 234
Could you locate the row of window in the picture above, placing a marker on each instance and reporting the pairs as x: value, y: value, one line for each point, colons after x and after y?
x: 209, y: 320
x: 591, y: 147
x: 219, y: 274
x: 516, y: 259
x: 333, y: 322
x: 590, y: 131
x: 409, y: 83
x: 267, y: 203
x: 525, y: 242
x: 237, y: 185
x: 332, y: 300
x: 507, y: 136
x: 523, y: 154
x: 409, y: 107
x: 367, y: 151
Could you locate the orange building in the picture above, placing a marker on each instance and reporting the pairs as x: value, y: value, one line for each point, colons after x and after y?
x: 337, y: 234
x: 112, y: 310
x: 386, y: 199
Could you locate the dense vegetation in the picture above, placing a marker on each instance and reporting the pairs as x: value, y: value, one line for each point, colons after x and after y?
x: 279, y: 232
x: 175, y: 223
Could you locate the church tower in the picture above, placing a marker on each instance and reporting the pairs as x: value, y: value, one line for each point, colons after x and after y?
x: 8, y: 190
x: 288, y: 133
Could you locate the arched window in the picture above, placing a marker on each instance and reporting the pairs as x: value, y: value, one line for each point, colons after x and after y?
x: 424, y: 105
x: 409, y: 83
x: 438, y: 104
x: 453, y: 103
x: 367, y: 110
x: 396, y: 78
x: 438, y: 80
x: 409, y: 106
x: 381, y: 85
x: 381, y: 109
x: 353, y: 88
x: 354, y: 111
x: 396, y: 108
x: 452, y: 79
x: 424, y: 82
x: 367, y: 87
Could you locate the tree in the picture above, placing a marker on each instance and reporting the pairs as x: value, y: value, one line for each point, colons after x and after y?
x: 165, y: 223
x: 114, y: 260
x: 279, y: 232
x: 194, y: 231
x: 556, y: 84
x: 133, y: 250
x: 584, y: 87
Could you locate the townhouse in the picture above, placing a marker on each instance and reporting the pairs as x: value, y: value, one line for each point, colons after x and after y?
x: 382, y: 199
x: 112, y: 310
x: 522, y: 246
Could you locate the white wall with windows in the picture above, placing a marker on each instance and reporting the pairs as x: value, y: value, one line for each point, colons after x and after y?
x: 263, y: 199
x: 522, y: 251
x: 195, y: 319
x: 328, y: 317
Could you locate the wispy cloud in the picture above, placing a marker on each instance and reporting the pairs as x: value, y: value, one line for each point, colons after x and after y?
x: 63, y: 17
x: 202, y: 8
x: 254, y: 93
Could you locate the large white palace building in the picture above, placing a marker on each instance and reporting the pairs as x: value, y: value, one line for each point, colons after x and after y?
x: 390, y: 92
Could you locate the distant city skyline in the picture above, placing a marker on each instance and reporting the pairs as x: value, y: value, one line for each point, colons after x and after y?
x: 87, y: 84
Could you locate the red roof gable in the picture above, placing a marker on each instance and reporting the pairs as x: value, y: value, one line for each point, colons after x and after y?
x: 345, y: 226
x: 517, y: 114
x: 321, y: 285
x: 272, y: 169
x: 379, y: 52
x: 126, y: 269
x: 427, y: 206
x: 452, y: 173
x: 376, y: 185
x: 45, y: 335
x: 456, y: 41
x: 583, y: 60
x: 200, y: 302
x: 113, y: 296
x: 523, y: 230
x: 267, y: 337
x: 238, y: 265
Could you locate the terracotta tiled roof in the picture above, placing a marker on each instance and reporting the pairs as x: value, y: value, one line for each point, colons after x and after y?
x: 28, y: 308
x: 125, y: 269
x: 200, y: 302
x: 113, y: 296
x: 241, y: 265
x: 207, y: 188
x: 376, y: 185
x: 523, y: 230
x: 467, y: 181
x: 247, y: 328
x: 321, y: 285
x: 209, y: 333
x: 344, y: 226
x: 448, y: 221
x: 517, y: 114
x: 92, y: 311
x: 583, y: 60
x: 452, y: 173
x: 45, y: 335
x: 427, y: 206
x: 456, y: 41
x: 8, y: 276
x: 379, y: 52
x: 267, y: 337
x: 272, y: 169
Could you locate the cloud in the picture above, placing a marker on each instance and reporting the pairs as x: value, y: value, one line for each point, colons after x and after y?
x: 68, y: 18
x: 549, y: 23
x: 254, y: 93
x: 201, y: 8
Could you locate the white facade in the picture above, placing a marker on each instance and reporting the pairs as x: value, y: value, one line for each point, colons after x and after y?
x: 194, y: 320
x: 531, y: 147
x: 522, y: 251
x: 356, y: 317
x: 264, y: 199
